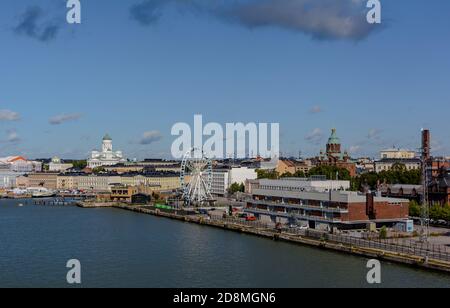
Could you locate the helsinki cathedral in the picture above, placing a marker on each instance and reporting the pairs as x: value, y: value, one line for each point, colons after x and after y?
x: 106, y: 157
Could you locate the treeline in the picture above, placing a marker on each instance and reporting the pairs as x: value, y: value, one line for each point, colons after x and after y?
x: 331, y: 173
x: 437, y: 212
x: 399, y: 174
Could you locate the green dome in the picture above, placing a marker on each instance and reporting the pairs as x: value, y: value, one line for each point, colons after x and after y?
x: 107, y: 137
x: 334, y: 138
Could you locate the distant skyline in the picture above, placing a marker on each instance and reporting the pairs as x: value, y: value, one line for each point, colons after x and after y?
x: 134, y: 68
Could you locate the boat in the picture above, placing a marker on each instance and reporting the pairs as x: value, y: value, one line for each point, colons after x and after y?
x: 41, y: 192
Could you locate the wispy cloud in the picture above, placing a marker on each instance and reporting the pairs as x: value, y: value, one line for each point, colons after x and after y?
x: 355, y: 149
x: 63, y: 118
x: 13, y: 136
x: 315, y: 137
x: 32, y: 23
x: 315, y: 109
x: 320, y: 19
x: 8, y: 115
x: 150, y: 137
x: 374, y: 133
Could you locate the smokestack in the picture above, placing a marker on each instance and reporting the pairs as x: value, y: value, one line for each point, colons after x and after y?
x: 426, y: 139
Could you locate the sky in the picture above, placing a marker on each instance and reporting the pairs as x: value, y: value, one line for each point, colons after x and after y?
x: 134, y: 68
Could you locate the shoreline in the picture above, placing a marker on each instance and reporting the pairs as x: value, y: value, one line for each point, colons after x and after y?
x: 396, y: 257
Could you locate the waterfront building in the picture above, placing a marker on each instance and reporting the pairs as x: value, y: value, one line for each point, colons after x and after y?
x: 159, y: 166
x: 8, y: 179
x: 123, y: 193
x: 97, y: 182
x: 125, y: 168
x: 22, y: 182
x: 325, y: 207
x: 67, y: 182
x: 334, y: 155
x: 57, y: 165
x: 107, y: 157
x: 20, y: 164
x: 223, y: 178
x: 47, y: 180
x: 390, y: 163
x: 152, y: 181
x: 394, y: 153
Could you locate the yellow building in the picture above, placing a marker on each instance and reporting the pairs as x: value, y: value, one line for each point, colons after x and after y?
x: 122, y: 193
x: 291, y: 166
x: 43, y: 179
x: 67, y: 182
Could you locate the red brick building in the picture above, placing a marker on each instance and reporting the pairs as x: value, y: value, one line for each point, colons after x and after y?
x: 334, y: 156
x: 285, y: 202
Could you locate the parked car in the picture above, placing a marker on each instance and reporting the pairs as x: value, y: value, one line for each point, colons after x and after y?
x: 442, y: 222
x: 250, y: 218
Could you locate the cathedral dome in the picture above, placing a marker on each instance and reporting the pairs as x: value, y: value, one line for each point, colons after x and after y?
x: 107, y: 138
x: 334, y: 138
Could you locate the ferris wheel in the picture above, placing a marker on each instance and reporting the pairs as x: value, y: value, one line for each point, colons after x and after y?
x: 196, y: 178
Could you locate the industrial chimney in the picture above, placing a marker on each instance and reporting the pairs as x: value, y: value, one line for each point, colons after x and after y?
x: 426, y: 139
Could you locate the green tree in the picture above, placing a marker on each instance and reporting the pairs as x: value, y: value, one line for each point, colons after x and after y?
x: 414, y: 209
x: 236, y: 187
x: 98, y: 170
x: 383, y: 233
x: 79, y: 164
x: 267, y: 174
x: 331, y: 172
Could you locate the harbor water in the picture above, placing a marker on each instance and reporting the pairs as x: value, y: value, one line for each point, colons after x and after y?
x: 119, y: 248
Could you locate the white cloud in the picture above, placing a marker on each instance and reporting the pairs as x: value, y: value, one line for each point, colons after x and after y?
x: 62, y: 118
x: 315, y: 137
x: 374, y: 133
x: 150, y: 137
x: 8, y: 115
x: 316, y: 109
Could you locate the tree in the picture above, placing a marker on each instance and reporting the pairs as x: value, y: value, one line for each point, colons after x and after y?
x: 397, y: 175
x: 79, y: 164
x: 383, y: 233
x: 98, y: 170
x: 331, y: 172
x: 236, y: 187
x: 267, y: 174
x: 414, y: 209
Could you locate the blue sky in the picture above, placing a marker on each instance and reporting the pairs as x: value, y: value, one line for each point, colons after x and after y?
x: 133, y: 73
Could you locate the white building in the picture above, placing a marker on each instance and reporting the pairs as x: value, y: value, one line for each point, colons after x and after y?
x: 8, y: 179
x: 20, y: 164
x: 397, y: 154
x: 222, y: 179
x: 56, y: 165
x: 107, y: 157
x: 388, y: 164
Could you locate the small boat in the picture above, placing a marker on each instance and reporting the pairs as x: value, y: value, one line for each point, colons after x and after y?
x: 20, y: 205
x: 41, y: 192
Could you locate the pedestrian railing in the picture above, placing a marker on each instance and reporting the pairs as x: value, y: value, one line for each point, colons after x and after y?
x: 402, y: 246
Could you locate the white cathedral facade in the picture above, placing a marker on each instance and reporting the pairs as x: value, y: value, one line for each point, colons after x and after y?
x: 107, y: 157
